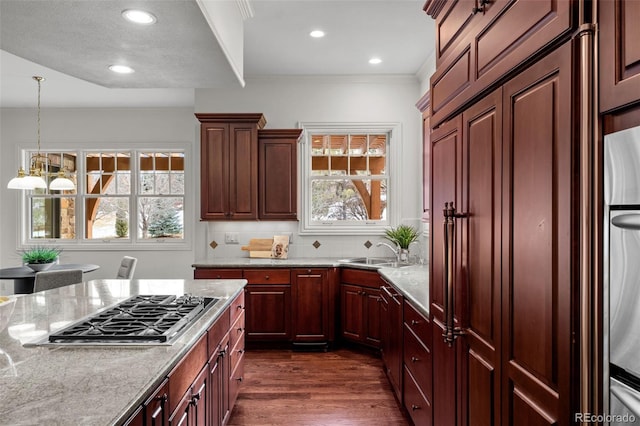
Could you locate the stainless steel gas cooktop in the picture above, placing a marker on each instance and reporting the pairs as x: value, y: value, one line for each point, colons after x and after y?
x: 139, y: 320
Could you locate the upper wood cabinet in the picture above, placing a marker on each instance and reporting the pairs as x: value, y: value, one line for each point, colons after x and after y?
x: 229, y: 166
x: 619, y: 53
x: 479, y: 42
x: 277, y: 173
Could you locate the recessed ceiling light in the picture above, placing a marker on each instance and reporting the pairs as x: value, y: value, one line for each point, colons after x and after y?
x: 139, y: 16
x: 121, y: 69
x: 375, y: 61
x: 317, y: 33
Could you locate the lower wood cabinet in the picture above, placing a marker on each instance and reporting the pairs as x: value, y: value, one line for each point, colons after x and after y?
x: 360, y: 306
x: 202, y: 388
x: 312, y: 314
x: 417, y: 387
x: 268, y: 300
x: 285, y: 305
x: 392, y: 344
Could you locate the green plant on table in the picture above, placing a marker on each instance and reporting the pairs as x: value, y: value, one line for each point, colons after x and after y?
x: 38, y: 254
x: 402, y: 235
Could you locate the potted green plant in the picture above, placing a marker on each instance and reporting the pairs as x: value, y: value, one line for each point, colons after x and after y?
x: 40, y: 258
x: 402, y: 236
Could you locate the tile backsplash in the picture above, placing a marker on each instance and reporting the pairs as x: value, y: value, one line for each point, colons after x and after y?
x: 331, y: 246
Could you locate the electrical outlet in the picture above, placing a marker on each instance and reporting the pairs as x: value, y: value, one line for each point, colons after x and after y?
x: 231, y: 238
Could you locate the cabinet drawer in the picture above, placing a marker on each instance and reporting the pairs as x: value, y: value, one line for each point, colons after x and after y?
x: 267, y: 276
x: 237, y: 307
x: 236, y: 332
x: 415, y: 402
x: 369, y: 279
x: 417, y: 323
x: 216, y: 333
x: 235, y: 380
x: 216, y: 274
x: 182, y: 376
x: 417, y: 359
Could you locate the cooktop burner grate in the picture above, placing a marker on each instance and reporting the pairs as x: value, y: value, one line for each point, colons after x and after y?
x: 142, y: 318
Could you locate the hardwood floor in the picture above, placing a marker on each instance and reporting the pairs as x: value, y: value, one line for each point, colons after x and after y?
x: 340, y: 387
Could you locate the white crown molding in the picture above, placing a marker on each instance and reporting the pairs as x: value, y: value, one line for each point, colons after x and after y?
x: 246, y: 11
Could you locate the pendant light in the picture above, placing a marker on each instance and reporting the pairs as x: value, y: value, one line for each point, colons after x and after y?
x: 34, y: 179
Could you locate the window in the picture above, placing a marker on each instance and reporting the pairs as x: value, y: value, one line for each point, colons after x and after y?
x: 124, y: 198
x: 347, y: 180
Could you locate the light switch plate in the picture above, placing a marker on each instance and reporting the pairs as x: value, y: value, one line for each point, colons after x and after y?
x: 231, y: 238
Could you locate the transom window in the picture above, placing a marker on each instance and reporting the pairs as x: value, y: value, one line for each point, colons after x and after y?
x: 125, y: 197
x: 347, y: 182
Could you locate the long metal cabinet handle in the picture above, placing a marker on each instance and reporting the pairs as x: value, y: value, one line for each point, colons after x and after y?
x: 451, y: 332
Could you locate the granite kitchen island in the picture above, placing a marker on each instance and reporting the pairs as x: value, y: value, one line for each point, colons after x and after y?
x: 90, y: 385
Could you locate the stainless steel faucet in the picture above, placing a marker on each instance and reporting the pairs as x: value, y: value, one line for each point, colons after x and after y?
x: 396, y: 251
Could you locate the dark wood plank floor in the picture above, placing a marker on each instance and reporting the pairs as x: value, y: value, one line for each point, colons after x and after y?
x: 340, y: 387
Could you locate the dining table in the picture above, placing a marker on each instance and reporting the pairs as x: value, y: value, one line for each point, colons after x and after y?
x: 23, y: 277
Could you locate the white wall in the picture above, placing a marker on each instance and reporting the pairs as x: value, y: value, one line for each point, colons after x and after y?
x: 284, y: 101
x: 82, y: 128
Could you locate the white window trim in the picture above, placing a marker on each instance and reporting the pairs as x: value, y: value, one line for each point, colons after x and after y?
x: 306, y: 227
x: 131, y: 243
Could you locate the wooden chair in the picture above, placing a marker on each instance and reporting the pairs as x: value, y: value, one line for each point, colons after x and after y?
x: 47, y: 280
x: 127, y: 268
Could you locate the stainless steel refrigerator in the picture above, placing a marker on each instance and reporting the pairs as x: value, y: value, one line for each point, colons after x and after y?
x: 622, y: 277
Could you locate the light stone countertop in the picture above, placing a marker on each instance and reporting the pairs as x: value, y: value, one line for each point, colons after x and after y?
x: 89, y: 385
x: 412, y: 281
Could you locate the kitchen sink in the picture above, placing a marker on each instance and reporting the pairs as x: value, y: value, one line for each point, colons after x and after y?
x: 374, y: 261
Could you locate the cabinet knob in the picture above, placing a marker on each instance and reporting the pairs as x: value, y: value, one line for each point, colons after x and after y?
x: 415, y: 407
x: 266, y: 277
x: 240, y: 329
x: 240, y: 307
x: 414, y: 359
x: 415, y: 322
x: 239, y: 379
x: 218, y: 276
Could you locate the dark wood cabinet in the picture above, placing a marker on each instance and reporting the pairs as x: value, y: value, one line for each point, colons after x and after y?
x: 277, y: 173
x: 229, y: 166
x: 268, y: 305
x: 311, y: 301
x: 156, y: 410
x: 360, y: 306
x: 513, y: 252
x: 479, y: 42
x: 392, y: 344
x: 417, y: 365
x: 619, y: 53
x: 202, y: 388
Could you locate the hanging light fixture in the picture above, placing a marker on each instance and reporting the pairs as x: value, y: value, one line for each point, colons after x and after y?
x: 34, y: 179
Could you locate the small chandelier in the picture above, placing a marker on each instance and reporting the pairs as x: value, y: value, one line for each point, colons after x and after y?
x: 34, y: 179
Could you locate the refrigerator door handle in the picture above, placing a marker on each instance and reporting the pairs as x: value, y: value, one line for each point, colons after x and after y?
x: 451, y: 331
x: 627, y: 221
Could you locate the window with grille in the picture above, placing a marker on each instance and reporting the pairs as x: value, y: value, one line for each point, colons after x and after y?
x: 125, y: 197
x: 346, y: 175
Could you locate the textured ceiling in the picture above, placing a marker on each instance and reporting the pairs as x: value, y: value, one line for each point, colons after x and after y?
x: 71, y: 43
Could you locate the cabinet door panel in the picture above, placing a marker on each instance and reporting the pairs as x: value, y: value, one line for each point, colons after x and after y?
x: 452, y: 26
x: 445, y: 169
x: 537, y: 240
x: 310, y: 307
x: 619, y: 53
x: 371, y: 325
x: 214, y: 170
x: 479, y: 297
x: 277, y: 167
x: 268, y: 312
x: 352, y: 311
x: 243, y: 171
x: 156, y: 407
